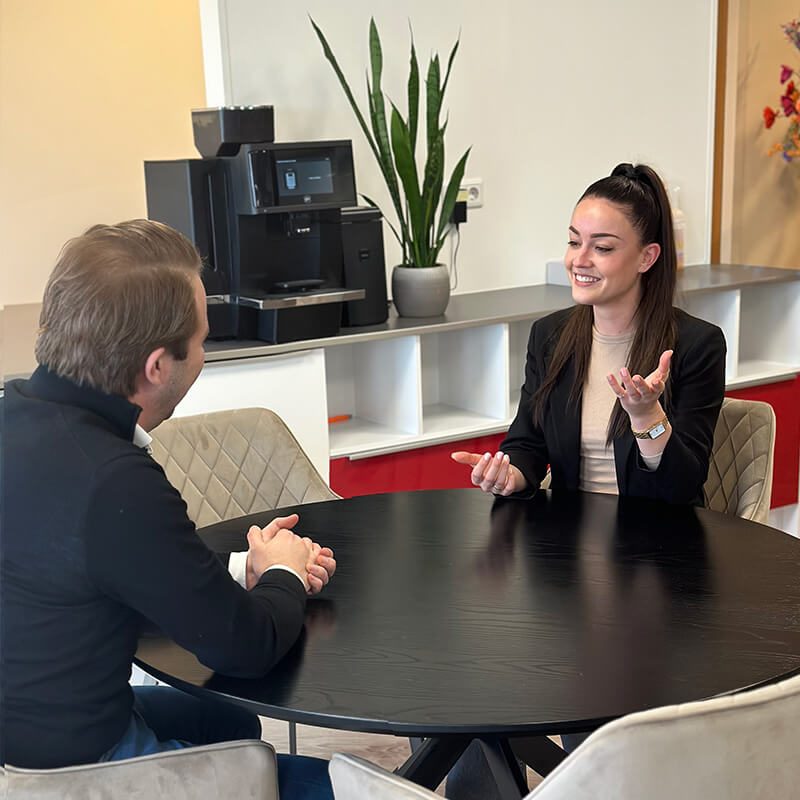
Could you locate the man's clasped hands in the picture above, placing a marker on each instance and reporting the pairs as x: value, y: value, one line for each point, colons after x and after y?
x: 278, y: 545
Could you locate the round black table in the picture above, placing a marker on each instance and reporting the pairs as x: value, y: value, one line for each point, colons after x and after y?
x: 453, y: 616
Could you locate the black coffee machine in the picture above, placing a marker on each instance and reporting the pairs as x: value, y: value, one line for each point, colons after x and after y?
x: 286, y: 256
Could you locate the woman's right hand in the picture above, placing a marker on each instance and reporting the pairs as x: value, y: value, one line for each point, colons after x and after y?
x: 494, y: 474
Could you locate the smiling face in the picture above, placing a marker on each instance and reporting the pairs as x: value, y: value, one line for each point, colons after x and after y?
x: 606, y: 259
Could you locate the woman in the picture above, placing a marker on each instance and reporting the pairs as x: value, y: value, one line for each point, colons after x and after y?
x: 586, y: 410
x: 622, y: 391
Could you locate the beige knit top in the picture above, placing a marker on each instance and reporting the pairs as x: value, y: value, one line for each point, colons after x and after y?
x: 597, y: 472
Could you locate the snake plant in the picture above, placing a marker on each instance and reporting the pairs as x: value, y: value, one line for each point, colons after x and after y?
x: 419, y: 231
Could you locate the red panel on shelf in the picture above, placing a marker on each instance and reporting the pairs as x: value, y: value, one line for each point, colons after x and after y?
x: 409, y: 470
x: 784, y: 397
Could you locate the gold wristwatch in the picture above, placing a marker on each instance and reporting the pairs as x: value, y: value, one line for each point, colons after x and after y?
x: 654, y: 431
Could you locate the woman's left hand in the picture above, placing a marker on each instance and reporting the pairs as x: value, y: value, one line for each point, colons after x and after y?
x: 639, y: 396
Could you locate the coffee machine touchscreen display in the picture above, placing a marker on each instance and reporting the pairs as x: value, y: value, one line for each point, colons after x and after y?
x: 295, y: 175
x: 304, y: 176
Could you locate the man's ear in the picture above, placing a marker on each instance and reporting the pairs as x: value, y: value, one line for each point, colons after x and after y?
x: 156, y: 367
x: 650, y: 254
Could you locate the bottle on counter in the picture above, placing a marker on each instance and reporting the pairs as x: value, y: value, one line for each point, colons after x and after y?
x: 679, y: 226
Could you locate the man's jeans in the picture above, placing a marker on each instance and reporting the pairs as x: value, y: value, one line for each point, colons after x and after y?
x: 168, y: 719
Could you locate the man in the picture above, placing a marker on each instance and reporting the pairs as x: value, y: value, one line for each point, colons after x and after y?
x: 96, y: 540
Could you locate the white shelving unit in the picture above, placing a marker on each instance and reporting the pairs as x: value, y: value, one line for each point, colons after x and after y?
x: 762, y: 329
x: 414, y: 390
x: 411, y: 383
x: 445, y: 385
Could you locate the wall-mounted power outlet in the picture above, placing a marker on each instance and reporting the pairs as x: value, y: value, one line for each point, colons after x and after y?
x: 473, y: 189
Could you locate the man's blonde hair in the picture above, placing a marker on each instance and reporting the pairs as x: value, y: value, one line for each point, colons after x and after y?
x: 116, y: 294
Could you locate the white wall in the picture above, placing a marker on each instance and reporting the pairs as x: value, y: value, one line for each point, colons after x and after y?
x: 550, y: 95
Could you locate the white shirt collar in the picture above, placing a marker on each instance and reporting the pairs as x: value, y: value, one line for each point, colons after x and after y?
x: 141, y: 438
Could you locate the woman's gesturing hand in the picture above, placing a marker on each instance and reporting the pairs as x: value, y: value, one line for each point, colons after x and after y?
x: 639, y: 396
x: 494, y: 474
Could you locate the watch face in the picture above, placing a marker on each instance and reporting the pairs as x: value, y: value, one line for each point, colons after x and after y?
x: 654, y: 433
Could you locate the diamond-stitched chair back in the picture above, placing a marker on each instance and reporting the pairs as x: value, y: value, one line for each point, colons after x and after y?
x: 740, y: 473
x: 227, y: 464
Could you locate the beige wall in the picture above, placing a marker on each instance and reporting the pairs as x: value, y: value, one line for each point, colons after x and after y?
x: 88, y: 90
x: 761, y: 194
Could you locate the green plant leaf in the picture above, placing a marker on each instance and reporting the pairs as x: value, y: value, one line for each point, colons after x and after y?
x: 377, y: 110
x: 413, y: 94
x: 450, y: 64
x: 449, y: 202
x: 434, y: 167
x: 345, y: 86
x: 407, y: 170
x: 433, y: 99
x: 375, y: 93
x: 378, y: 106
x: 386, y: 163
x: 375, y: 54
x: 432, y: 185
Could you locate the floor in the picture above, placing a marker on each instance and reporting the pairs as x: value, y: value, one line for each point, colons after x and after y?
x: 386, y: 751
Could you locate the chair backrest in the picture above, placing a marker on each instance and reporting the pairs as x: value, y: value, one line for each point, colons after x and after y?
x: 227, y: 464
x: 736, y: 747
x: 354, y: 778
x: 228, y: 771
x: 740, y: 473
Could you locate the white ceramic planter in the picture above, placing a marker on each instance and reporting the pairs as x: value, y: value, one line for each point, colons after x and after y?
x: 421, y: 291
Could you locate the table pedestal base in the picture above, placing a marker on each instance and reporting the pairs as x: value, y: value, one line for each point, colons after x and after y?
x: 433, y: 758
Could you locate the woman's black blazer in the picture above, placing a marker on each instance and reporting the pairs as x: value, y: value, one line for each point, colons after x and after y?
x: 697, y: 376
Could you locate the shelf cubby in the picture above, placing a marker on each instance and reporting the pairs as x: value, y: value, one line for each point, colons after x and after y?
x: 769, y: 340
x: 377, y: 385
x: 464, y: 380
x: 723, y: 309
x: 518, y: 335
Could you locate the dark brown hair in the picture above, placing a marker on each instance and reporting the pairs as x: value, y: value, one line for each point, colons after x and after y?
x: 641, y: 195
x: 117, y: 293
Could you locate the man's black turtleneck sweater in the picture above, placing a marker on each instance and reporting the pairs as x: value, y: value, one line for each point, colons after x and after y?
x: 95, y: 540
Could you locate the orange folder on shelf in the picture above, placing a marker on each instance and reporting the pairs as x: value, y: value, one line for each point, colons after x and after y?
x: 339, y: 418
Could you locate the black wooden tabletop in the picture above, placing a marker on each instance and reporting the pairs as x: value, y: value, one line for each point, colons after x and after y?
x: 453, y: 613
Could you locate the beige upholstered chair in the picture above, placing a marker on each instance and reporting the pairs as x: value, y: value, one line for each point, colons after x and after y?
x: 230, y: 463
x: 737, y: 747
x: 229, y: 771
x: 740, y: 474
